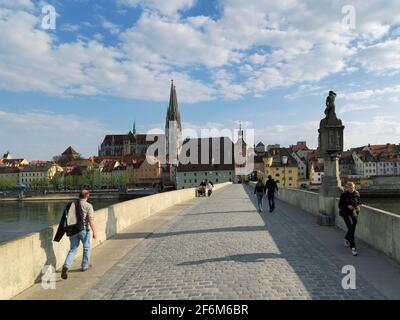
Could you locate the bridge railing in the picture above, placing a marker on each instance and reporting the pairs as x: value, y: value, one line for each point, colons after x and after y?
x: 380, y: 229
x: 22, y: 259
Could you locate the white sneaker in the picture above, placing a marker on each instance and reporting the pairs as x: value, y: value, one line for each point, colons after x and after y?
x: 346, y: 243
x: 354, y: 251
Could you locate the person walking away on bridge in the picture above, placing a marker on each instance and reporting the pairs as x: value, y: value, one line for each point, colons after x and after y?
x: 83, y: 236
x: 259, y: 190
x: 350, y: 206
x: 271, y: 186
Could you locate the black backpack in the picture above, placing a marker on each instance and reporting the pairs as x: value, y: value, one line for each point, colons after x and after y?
x: 73, y: 229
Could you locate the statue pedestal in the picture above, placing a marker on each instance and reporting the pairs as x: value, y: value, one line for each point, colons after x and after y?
x: 330, y: 142
x: 330, y: 190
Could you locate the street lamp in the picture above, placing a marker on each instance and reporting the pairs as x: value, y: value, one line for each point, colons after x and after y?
x: 284, y: 162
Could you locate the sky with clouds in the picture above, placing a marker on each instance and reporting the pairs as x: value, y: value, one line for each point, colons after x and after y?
x: 268, y: 63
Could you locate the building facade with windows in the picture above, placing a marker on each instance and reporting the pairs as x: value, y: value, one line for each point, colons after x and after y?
x: 209, y: 159
x: 285, y: 174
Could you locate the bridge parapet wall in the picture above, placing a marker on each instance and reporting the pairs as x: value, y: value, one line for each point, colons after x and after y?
x: 22, y: 259
x: 380, y: 229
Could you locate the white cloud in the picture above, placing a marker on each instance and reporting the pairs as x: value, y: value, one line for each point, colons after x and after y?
x: 31, y: 61
x: 70, y: 27
x: 357, y: 107
x: 380, y: 130
x: 17, y: 4
x: 169, y: 7
x: 113, y: 28
x: 264, y: 44
x: 381, y: 57
x: 43, y: 134
x: 390, y: 92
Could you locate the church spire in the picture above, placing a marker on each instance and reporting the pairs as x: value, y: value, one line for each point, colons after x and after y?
x: 173, y: 128
x: 134, y: 127
x: 173, y: 113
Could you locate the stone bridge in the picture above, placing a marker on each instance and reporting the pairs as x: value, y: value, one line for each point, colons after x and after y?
x: 222, y: 248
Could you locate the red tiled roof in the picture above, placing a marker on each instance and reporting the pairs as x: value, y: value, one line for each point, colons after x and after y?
x: 300, y: 146
x: 385, y: 152
x: 9, y: 170
x: 70, y: 152
x: 127, y: 159
x: 138, y: 138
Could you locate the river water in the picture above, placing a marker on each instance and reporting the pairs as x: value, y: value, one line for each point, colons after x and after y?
x: 387, y: 204
x: 20, y: 218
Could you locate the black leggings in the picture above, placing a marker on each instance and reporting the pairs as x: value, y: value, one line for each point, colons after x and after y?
x: 351, y: 224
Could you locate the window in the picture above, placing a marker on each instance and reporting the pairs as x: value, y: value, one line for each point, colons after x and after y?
x: 277, y: 175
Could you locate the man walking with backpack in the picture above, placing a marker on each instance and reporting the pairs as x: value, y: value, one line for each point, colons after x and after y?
x: 85, y: 214
x: 271, y: 186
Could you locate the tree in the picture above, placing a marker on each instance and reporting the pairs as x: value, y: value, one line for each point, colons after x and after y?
x: 69, y: 181
x: 44, y: 183
x: 78, y: 181
x: 6, y: 183
x: 132, y: 180
x: 56, y: 181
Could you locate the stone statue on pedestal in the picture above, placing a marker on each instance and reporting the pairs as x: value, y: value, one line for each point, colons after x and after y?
x: 330, y: 143
x: 330, y: 110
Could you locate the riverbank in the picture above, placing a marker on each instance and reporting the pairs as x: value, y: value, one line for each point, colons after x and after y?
x: 65, y: 196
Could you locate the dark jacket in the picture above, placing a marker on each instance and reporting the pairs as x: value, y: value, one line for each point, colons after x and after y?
x: 64, y: 228
x: 259, y: 189
x: 349, y: 199
x: 271, y: 186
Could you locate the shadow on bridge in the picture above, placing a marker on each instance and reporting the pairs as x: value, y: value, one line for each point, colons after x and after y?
x: 220, y: 212
x: 138, y: 235
x: 319, y: 272
x: 244, y: 258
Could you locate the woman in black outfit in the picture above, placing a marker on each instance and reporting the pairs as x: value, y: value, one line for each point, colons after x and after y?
x: 350, y: 206
x: 259, y: 190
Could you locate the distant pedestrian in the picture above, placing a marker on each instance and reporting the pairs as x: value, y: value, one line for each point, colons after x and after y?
x: 86, y: 212
x: 210, y: 187
x: 271, y: 186
x: 350, y: 207
x: 259, y: 190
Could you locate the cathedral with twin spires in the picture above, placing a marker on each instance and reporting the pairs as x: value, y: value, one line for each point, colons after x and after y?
x: 134, y: 144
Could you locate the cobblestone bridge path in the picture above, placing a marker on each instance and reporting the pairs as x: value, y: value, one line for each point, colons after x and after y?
x: 222, y: 248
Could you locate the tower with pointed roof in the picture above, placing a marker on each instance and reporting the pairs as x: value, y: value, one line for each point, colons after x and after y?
x: 173, y: 128
x: 134, y: 128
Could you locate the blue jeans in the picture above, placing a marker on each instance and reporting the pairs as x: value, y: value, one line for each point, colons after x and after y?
x: 260, y: 196
x: 83, y: 236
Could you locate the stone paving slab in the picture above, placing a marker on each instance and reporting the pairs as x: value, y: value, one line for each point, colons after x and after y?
x: 222, y: 248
